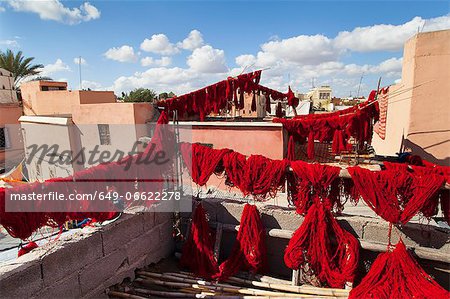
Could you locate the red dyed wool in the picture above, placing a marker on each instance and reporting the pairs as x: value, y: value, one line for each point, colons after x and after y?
x: 27, y: 248
x: 311, y: 184
x: 249, y: 251
x: 264, y: 177
x: 395, y: 195
x: 197, y: 253
x: 331, y: 252
x: 396, y: 275
x: 201, y: 160
x: 291, y: 149
x: 234, y: 164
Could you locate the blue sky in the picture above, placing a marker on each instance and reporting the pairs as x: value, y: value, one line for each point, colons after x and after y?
x: 182, y: 45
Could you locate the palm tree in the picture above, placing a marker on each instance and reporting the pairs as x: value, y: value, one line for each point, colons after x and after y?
x: 18, y: 65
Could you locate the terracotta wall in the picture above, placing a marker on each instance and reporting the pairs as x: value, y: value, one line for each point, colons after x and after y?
x: 418, y: 118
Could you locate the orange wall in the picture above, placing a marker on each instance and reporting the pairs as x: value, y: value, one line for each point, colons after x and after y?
x: 248, y: 138
x: 58, y: 102
x: 418, y: 116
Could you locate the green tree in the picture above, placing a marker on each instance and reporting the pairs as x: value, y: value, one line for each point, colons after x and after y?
x: 165, y: 95
x: 19, y: 65
x: 139, y: 95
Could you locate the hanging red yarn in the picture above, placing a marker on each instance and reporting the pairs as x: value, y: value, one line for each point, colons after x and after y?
x: 395, y: 195
x: 291, y: 149
x: 201, y: 160
x: 264, y: 176
x: 430, y: 208
x: 27, y: 248
x: 279, y: 111
x: 292, y: 100
x: 268, y: 107
x: 253, y: 107
x: 197, y: 253
x: 336, y: 127
x: 331, y: 252
x: 311, y: 184
x: 234, y: 164
x: 397, y: 275
x: 249, y: 251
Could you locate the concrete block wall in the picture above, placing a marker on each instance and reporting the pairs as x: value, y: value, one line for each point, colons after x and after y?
x: 374, y: 230
x: 84, y: 264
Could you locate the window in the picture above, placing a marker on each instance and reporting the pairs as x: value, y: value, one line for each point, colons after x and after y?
x: 103, y: 132
x: 4, y: 139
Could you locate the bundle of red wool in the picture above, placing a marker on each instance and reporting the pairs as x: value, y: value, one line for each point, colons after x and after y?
x: 249, y: 252
x: 396, y: 275
x: 198, y: 252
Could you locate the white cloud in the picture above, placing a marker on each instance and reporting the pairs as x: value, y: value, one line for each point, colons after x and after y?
x: 306, y: 49
x: 245, y: 60
x: 159, y: 44
x: 164, y: 61
x: 193, y: 41
x: 2, y: 9
x: 78, y: 60
x: 385, y: 36
x: 56, y: 11
x: 207, y: 60
x: 122, y: 54
x: 10, y: 43
x: 91, y: 85
x: 58, y: 66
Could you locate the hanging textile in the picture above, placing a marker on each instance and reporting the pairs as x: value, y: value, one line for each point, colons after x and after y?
x: 291, y: 149
x: 311, y: 184
x: 253, y: 106
x: 336, y: 127
x: 264, y: 177
x: 394, y: 195
x: 268, y: 107
x: 201, y: 160
x: 396, y: 275
x: 249, y: 251
x: 279, y: 111
x: 197, y: 252
x: 235, y: 164
x: 291, y: 99
x: 23, y: 224
x: 330, y: 252
x: 430, y: 208
x: 380, y: 126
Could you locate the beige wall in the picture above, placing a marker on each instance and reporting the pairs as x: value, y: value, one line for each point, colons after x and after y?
x: 418, y: 117
x: 9, y: 118
x: 7, y: 93
x: 58, y: 102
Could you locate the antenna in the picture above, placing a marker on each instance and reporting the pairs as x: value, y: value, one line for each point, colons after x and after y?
x: 79, y: 69
x: 359, y: 86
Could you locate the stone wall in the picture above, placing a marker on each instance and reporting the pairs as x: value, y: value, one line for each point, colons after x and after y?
x: 423, y: 238
x: 84, y: 264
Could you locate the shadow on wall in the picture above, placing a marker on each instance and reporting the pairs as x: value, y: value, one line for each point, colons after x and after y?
x: 423, y: 153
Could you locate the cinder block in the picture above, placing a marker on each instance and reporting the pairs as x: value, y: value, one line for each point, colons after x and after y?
x: 143, y: 245
x: 379, y: 232
x: 280, y: 218
x: 103, y: 269
x: 119, y: 233
x: 230, y: 212
x: 353, y: 224
x: 212, y: 206
x: 70, y: 256
x: 22, y: 281
x: 65, y: 287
